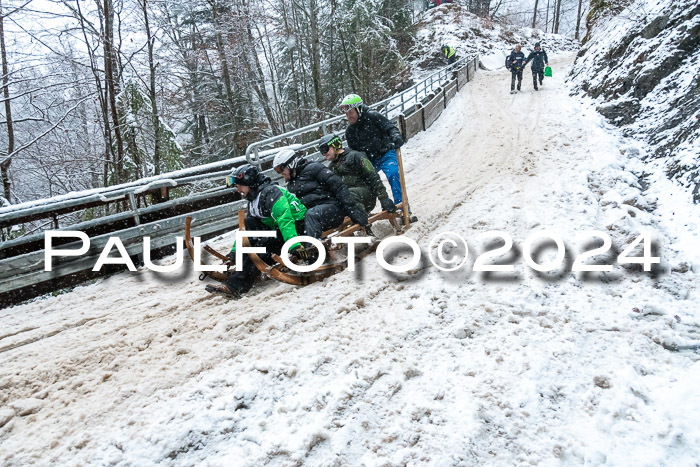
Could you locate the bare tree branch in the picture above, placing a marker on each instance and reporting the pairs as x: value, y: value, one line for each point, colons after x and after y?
x: 54, y: 126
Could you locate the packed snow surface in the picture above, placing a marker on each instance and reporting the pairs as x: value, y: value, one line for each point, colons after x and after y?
x: 419, y: 368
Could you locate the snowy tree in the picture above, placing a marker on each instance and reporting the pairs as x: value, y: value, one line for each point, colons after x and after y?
x: 140, y: 135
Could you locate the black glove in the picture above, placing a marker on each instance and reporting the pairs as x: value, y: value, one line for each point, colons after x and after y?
x: 358, y: 217
x: 398, y: 141
x: 387, y: 204
x: 231, y: 262
x: 300, y: 252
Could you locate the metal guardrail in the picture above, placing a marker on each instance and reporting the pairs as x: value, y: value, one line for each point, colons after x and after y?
x: 391, y: 107
x: 22, y: 274
x: 115, y: 192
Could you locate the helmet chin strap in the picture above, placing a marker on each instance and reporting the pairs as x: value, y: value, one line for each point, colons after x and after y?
x: 252, y: 193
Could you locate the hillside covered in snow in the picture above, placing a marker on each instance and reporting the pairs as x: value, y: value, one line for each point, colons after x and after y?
x: 640, y: 62
x: 375, y: 368
x: 426, y: 367
x: 452, y: 25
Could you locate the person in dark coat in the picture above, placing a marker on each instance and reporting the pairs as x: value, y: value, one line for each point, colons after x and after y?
x: 357, y: 172
x: 324, y: 194
x: 372, y: 133
x: 515, y: 62
x: 539, y: 60
x: 450, y: 54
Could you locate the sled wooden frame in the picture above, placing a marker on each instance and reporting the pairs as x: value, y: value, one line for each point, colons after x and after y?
x: 219, y: 276
x: 280, y: 272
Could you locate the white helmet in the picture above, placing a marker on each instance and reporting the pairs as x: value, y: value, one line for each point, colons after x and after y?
x: 287, y: 158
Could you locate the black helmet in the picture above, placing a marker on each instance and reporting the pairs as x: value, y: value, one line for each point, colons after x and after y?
x: 537, y: 44
x: 327, y: 141
x: 247, y: 175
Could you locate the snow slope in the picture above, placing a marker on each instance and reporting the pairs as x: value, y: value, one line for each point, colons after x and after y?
x: 374, y: 368
x: 641, y: 66
x: 451, y: 24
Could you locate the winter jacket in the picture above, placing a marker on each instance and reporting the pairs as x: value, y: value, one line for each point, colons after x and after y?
x: 373, y: 134
x: 358, y: 174
x: 316, y: 184
x: 518, y: 57
x: 538, y: 59
x: 277, y: 209
x: 448, y: 50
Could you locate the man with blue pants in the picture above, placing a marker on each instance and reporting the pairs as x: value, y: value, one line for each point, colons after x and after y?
x: 372, y: 133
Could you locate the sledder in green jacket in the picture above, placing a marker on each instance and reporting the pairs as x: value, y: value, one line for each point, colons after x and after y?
x: 357, y: 172
x: 277, y: 209
x: 270, y: 207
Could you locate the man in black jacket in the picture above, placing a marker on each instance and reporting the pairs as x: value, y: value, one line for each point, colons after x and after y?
x: 539, y: 60
x: 372, y: 133
x: 515, y: 62
x: 323, y: 193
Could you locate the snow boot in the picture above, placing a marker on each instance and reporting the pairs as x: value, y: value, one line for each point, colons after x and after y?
x: 512, y: 91
x: 411, y: 218
x: 223, y: 290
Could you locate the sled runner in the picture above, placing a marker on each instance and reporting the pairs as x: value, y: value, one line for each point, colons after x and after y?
x: 219, y: 276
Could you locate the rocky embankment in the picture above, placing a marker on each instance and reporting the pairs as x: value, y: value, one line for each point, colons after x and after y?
x: 639, y: 61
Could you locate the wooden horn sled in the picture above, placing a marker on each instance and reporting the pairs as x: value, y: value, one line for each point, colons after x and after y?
x: 278, y: 271
x: 333, y: 264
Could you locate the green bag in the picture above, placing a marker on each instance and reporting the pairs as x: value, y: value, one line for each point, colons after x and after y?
x: 548, y: 71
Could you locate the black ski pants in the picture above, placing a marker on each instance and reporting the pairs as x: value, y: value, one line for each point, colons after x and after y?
x: 516, y: 73
x: 537, y: 74
x: 322, y: 217
x: 242, y: 281
x: 316, y: 220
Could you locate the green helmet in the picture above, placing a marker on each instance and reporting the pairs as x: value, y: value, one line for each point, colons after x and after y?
x: 327, y: 141
x: 351, y: 101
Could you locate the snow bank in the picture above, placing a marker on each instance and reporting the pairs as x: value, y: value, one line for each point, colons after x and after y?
x: 451, y: 24
x: 493, y: 61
